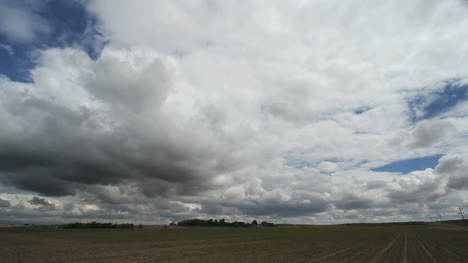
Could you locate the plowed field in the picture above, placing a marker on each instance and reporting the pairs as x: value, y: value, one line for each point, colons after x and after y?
x: 277, y: 244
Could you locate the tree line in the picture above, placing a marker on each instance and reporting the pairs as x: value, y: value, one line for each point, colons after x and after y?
x: 188, y: 222
x: 97, y: 225
x: 222, y: 222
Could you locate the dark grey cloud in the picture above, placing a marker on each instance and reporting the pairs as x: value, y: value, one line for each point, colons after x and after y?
x: 454, y: 167
x: 425, y: 191
x: 351, y: 201
x: 68, y: 206
x: 450, y: 165
x: 61, y: 149
x: 427, y: 133
x: 458, y: 182
x: 57, y: 165
x: 285, y: 209
x: 299, y: 204
x: 4, y: 203
x: 130, y: 88
x: 40, y: 202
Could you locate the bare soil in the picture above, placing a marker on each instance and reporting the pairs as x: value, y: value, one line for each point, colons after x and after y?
x: 282, y: 244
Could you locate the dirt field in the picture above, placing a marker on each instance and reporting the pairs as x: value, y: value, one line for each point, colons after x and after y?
x: 277, y: 244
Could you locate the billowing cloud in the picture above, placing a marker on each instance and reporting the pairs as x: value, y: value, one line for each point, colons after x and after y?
x: 454, y: 166
x: 427, y: 133
x: 419, y: 187
x: 99, y: 123
x: 268, y: 109
x: 451, y: 164
x: 458, y: 182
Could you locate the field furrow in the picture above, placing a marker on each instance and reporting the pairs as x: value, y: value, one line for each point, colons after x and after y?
x: 333, y: 244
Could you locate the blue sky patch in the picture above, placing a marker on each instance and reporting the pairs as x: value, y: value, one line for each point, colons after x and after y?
x: 410, y: 165
x: 437, y: 103
x: 360, y: 111
x: 299, y: 164
x: 447, y: 99
x: 63, y: 23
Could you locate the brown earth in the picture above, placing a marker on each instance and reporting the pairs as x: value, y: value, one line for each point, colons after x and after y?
x: 296, y: 244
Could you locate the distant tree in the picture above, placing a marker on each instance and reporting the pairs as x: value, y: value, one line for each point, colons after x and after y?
x: 254, y: 223
x: 211, y: 222
x: 265, y: 223
x: 172, y: 224
x: 98, y: 225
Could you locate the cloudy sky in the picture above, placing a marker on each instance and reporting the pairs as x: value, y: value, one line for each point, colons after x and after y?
x: 319, y: 111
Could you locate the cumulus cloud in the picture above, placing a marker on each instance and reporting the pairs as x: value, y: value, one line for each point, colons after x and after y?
x: 84, y: 133
x: 454, y: 166
x: 458, y: 182
x: 132, y: 81
x: 273, y: 109
x: 418, y: 187
x: 451, y: 164
x: 424, y: 134
x: 427, y: 133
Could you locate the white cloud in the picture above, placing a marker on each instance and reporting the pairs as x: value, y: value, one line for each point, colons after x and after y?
x: 21, y: 25
x: 426, y: 133
x: 327, y: 166
x: 198, y: 107
x: 429, y: 132
x: 8, y: 49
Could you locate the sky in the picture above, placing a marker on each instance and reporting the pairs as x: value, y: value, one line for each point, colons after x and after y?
x: 304, y: 112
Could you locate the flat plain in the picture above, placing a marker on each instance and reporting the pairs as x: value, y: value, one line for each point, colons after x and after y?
x: 418, y: 243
